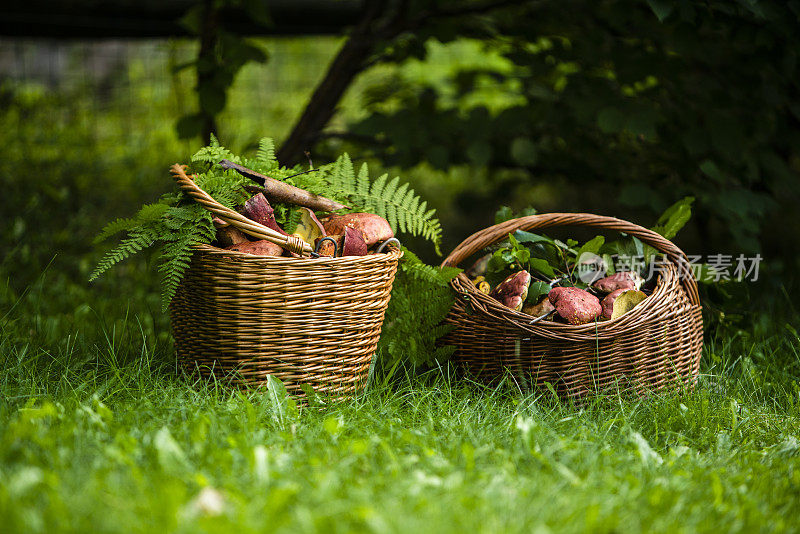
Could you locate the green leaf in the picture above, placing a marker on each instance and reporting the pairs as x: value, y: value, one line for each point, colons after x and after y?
x: 542, y: 266
x: 537, y: 290
x: 661, y: 8
x: 503, y: 214
x: 609, y: 262
x: 192, y: 20
x: 564, y: 246
x: 711, y: 170
x: 674, y: 218
x: 592, y: 246
x: 527, y: 237
x: 500, y: 260
x: 211, y: 97
x: 523, y: 255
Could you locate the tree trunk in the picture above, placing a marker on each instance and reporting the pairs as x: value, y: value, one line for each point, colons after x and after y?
x: 347, y: 64
x: 206, y: 55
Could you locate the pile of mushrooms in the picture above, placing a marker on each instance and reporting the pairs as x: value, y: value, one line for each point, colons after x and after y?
x: 350, y: 234
x: 620, y: 293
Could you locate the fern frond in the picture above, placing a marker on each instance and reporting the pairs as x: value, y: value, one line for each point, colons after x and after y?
x: 213, y: 154
x: 226, y: 187
x: 389, y: 193
x: 401, y: 207
x: 362, y: 181
x: 396, y: 202
x: 343, y: 176
x: 175, y: 261
x: 292, y: 220
x: 114, y: 227
x: 415, y: 267
x: 265, y: 155
x: 421, y: 298
x: 402, y: 216
x: 137, y: 240
x: 176, y: 255
x: 376, y: 190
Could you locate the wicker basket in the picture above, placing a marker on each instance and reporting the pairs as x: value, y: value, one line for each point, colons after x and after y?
x: 656, y: 345
x: 304, y: 320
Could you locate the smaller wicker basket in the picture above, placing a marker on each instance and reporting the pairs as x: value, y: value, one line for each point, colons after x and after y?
x: 304, y: 320
x: 656, y: 345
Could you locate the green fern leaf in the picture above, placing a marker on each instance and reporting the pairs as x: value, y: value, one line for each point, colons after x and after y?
x: 421, y: 298
x: 265, y: 155
x: 138, y: 239
x: 115, y: 227
x: 362, y: 181
x: 402, y: 215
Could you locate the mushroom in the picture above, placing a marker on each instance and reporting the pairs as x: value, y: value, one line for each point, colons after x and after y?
x: 353, y: 244
x: 623, y: 280
x: 258, y: 209
x: 574, y: 304
x: 537, y: 310
x: 262, y: 247
x: 619, y: 302
x: 309, y: 229
x: 513, y: 291
x: 374, y: 227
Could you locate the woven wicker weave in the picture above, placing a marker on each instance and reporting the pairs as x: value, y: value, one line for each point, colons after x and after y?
x: 654, y: 346
x: 312, y: 321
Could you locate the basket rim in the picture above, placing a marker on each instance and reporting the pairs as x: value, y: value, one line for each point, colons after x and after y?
x: 497, y: 232
x: 675, y: 278
x: 666, y: 286
x: 392, y: 255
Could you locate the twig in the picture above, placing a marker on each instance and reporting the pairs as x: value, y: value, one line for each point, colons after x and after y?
x: 283, y: 192
x: 312, y: 169
x: 542, y: 317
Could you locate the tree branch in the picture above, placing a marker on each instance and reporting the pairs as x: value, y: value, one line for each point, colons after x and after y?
x: 347, y: 64
x: 354, y: 57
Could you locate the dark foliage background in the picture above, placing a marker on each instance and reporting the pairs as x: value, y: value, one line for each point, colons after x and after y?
x: 611, y: 107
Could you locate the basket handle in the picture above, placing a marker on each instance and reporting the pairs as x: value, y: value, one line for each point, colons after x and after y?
x: 187, y: 184
x: 492, y: 234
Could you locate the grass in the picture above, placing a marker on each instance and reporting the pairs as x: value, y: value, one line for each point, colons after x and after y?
x: 98, y: 432
x: 103, y: 435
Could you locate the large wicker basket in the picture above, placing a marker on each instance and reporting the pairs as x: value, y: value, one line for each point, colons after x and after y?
x: 304, y: 320
x: 656, y: 345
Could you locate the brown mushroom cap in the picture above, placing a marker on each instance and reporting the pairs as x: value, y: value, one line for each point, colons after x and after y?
x: 258, y: 209
x: 623, y: 280
x: 537, y: 310
x: 575, y: 305
x: 608, y: 302
x: 261, y: 247
x: 374, y: 227
x: 513, y: 291
x: 354, y: 244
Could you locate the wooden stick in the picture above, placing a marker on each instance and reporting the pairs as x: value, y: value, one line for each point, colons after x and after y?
x: 283, y: 192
